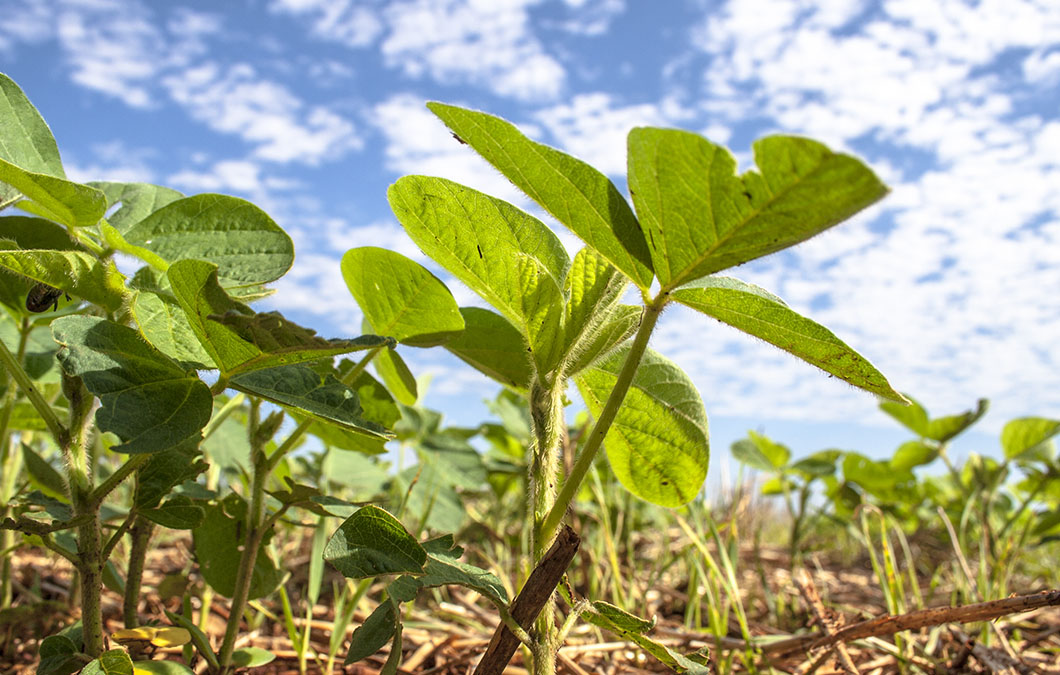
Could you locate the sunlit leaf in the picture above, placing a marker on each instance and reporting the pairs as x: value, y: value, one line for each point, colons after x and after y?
x: 372, y: 542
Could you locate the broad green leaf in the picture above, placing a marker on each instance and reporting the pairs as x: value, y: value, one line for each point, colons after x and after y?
x: 911, y: 416
x: 149, y: 401
x: 746, y: 452
x: 218, y: 546
x: 371, y: 543
x: 432, y: 501
x: 324, y: 398
x: 25, y: 139
x: 942, y: 429
x: 361, y: 475
x: 913, y: 453
x: 700, y: 217
x: 508, y: 257
x: 28, y: 233
x: 775, y: 453
x: 42, y: 474
x: 492, y: 345
x: 620, y: 323
x: 57, y: 199
x: 24, y: 417
x: 444, y: 568
x: 177, y: 513
x: 164, y: 324
x: 138, y: 200
x: 400, y: 298
x: 876, y: 477
x: 58, y: 655
x: 374, y: 633
x: 112, y: 662
x: 456, y: 460
x: 575, y: 193
x: 240, y: 340
x: 164, y: 471
x: 114, y: 239
x: 397, y: 376
x: 657, y: 445
x: 74, y: 272
x: 376, y: 402
x: 759, y: 313
x: 241, y: 239
x: 1022, y: 434
x: 251, y: 657
x: 819, y: 464
x: 161, y: 668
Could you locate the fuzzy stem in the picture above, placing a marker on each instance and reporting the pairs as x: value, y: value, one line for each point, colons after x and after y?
x: 652, y: 311
x: 140, y: 533
x: 90, y: 568
x: 11, y: 465
x: 255, y: 533
x: 51, y: 420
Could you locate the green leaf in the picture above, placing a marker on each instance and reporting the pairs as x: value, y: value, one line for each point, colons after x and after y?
x: 493, y: 346
x: 657, y: 445
x: 818, y: 465
x: 25, y: 139
x: 374, y: 633
x: 73, y: 272
x: 397, y: 376
x: 776, y: 453
x: 432, y: 500
x: 324, y: 398
x: 1024, y: 433
x: 575, y: 193
x: 943, y: 429
x: 759, y: 313
x: 876, y: 477
x: 138, y: 200
x: 58, y: 655
x: 42, y: 474
x: 149, y: 401
x: 701, y: 218
x: 57, y: 199
x: 161, y: 668
x: 247, y: 246
x: 177, y: 513
x: 911, y: 416
x: 164, y: 324
x: 218, y: 544
x: 635, y: 629
x: 593, y: 288
x: 508, y: 257
x: 759, y: 452
x: 371, y: 543
x: 240, y: 340
x: 164, y: 471
x: 114, y: 239
x: 913, y: 453
x: 400, y: 298
x: 454, y: 458
x: 444, y: 568
x: 112, y: 662
x: 251, y: 657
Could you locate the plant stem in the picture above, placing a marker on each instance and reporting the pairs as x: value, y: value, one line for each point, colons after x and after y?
x: 90, y: 567
x: 51, y: 420
x: 140, y: 533
x: 652, y: 311
x: 255, y: 533
x: 11, y: 465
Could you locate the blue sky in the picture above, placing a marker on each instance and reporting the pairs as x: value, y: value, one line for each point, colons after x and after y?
x: 310, y: 108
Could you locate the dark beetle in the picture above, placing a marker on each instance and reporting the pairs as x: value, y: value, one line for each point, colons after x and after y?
x: 41, y: 296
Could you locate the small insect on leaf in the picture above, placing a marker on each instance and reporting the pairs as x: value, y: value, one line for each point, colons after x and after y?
x: 155, y: 636
x: 41, y: 296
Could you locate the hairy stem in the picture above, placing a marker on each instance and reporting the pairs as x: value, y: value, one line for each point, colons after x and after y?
x: 652, y: 311
x: 140, y: 534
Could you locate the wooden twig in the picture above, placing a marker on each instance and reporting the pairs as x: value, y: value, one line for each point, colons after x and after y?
x: 532, y: 598
x: 825, y: 620
x: 921, y: 618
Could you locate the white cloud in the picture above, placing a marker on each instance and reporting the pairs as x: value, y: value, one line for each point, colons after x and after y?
x: 472, y: 41
x: 345, y: 21
x: 590, y: 17
x: 236, y: 99
x: 113, y: 161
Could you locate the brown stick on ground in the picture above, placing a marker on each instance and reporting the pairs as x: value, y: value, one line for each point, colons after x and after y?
x: 825, y: 620
x: 536, y: 592
x: 921, y: 618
